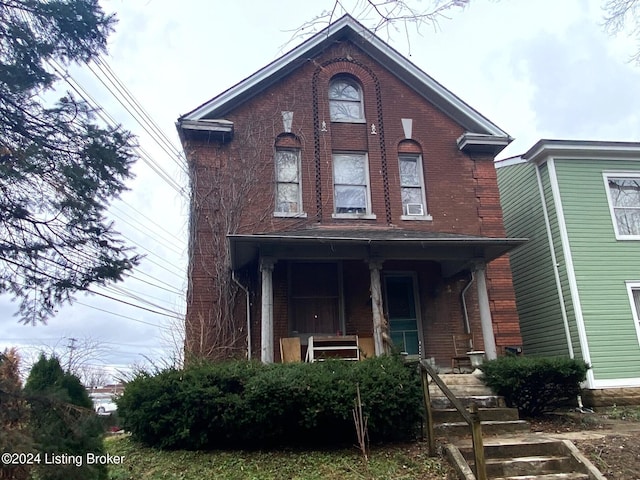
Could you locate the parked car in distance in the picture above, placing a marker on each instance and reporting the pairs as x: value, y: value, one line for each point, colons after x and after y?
x: 104, y: 405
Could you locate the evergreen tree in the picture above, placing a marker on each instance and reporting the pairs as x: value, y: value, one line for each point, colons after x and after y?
x: 14, y: 416
x: 63, y: 421
x: 59, y: 169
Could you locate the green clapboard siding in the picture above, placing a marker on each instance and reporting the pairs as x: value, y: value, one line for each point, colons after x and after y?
x: 602, y: 265
x: 539, y: 310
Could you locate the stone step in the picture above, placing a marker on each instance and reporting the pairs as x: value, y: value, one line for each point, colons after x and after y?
x: 482, y: 401
x: 527, y: 460
x: 490, y: 427
x: 519, y: 449
x: 462, y: 390
x: 531, y: 465
x: 460, y: 379
x: 449, y: 415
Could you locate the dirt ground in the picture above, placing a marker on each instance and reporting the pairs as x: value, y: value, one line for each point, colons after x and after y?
x: 610, y: 439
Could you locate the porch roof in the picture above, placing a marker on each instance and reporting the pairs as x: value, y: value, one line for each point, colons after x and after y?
x: 454, y: 252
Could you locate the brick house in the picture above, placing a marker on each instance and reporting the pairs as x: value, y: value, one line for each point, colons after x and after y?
x: 340, y: 190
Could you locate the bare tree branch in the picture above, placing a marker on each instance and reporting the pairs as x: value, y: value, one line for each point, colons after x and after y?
x: 621, y: 15
x: 381, y: 15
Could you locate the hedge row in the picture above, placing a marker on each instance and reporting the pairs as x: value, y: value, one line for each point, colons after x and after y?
x: 535, y: 385
x: 249, y: 405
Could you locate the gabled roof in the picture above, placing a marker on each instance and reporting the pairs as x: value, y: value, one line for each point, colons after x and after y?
x: 592, y: 149
x: 347, y: 28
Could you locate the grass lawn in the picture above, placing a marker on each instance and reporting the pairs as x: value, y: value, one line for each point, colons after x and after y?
x: 397, y: 462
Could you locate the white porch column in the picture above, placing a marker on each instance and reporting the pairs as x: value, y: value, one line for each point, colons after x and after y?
x: 266, y: 332
x: 376, y: 306
x: 485, y: 313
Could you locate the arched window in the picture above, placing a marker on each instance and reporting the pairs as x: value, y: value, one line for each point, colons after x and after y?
x: 345, y: 100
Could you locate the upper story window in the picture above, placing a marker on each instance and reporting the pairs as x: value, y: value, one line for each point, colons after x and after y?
x: 345, y: 100
x: 623, y: 192
x: 414, y: 201
x: 288, y: 191
x: 351, y: 185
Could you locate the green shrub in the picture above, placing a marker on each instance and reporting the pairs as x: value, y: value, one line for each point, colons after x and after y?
x: 247, y: 404
x: 535, y: 384
x: 62, y: 421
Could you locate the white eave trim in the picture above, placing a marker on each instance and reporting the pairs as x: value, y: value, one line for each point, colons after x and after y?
x: 507, y: 162
x: 380, y: 51
x: 477, y: 141
x: 582, y: 149
x: 206, y: 125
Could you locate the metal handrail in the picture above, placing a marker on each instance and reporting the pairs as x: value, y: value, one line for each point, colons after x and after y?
x: 472, y: 418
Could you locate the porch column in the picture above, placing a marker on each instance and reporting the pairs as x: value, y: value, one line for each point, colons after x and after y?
x: 266, y: 332
x: 376, y: 307
x: 485, y: 313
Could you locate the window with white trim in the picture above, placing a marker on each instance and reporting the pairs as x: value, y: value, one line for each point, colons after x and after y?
x: 351, y: 184
x: 288, y: 191
x: 414, y: 204
x: 633, y: 289
x: 345, y: 100
x: 623, y: 192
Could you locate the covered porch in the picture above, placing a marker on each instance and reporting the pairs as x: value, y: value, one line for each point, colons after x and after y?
x: 408, y: 291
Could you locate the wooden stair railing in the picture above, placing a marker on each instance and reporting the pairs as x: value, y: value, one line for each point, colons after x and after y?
x: 472, y: 417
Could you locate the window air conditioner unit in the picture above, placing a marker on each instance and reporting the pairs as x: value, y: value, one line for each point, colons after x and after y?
x: 415, y: 209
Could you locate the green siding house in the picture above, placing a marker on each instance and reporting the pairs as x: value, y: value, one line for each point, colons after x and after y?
x: 577, y: 280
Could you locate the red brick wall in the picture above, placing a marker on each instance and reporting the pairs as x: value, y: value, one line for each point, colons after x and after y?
x: 462, y: 193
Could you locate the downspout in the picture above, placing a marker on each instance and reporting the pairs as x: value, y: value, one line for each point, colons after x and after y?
x: 467, y: 326
x: 246, y: 294
x: 554, y: 261
x: 556, y: 273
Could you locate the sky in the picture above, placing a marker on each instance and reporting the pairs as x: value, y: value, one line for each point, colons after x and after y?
x: 543, y: 69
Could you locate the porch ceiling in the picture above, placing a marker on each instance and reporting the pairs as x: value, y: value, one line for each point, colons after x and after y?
x: 453, y: 251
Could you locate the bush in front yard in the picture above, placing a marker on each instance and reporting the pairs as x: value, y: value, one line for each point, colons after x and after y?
x: 246, y: 404
x: 535, y: 385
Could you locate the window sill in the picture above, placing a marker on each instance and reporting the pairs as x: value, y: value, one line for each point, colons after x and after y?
x: 350, y: 120
x: 627, y: 238
x: 289, y: 215
x: 360, y: 216
x: 426, y: 218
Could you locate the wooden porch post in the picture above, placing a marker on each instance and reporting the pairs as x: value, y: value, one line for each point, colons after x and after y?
x: 485, y: 313
x: 266, y: 332
x: 376, y: 306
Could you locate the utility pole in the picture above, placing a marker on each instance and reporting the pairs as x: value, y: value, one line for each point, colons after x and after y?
x: 71, y: 347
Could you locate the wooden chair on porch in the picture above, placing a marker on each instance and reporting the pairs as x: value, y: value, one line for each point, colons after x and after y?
x: 462, y: 343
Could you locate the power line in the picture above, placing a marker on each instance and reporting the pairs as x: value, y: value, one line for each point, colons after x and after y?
x: 122, y: 316
x: 129, y: 105
x: 139, y: 213
x: 109, y: 120
x: 177, y: 154
x: 173, y: 315
x: 172, y: 290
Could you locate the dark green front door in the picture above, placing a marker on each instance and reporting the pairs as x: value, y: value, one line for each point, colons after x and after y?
x: 402, y: 312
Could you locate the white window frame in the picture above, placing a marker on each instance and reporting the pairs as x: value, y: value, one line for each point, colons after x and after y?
x: 606, y: 176
x: 300, y: 213
x: 418, y: 158
x: 353, y: 83
x: 368, y: 215
x: 631, y: 287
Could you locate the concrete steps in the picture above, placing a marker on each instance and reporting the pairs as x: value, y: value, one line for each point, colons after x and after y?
x: 495, y: 417
x: 526, y: 460
x: 507, y: 455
